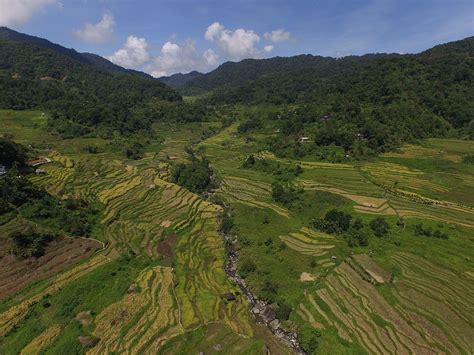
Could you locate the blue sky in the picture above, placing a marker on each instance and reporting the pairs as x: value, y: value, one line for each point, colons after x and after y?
x: 167, y: 36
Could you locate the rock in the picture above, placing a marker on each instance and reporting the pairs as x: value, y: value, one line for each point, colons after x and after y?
x: 255, y: 310
x: 275, y: 324
x: 268, y: 314
x: 88, y: 341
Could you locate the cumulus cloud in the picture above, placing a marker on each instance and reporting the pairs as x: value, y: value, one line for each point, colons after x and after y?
x: 213, y: 31
x: 100, y: 32
x: 133, y: 55
x: 175, y: 58
x: 17, y: 12
x: 278, y: 36
x: 235, y: 45
x: 268, y: 48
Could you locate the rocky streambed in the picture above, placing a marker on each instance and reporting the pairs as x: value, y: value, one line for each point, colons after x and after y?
x: 262, y: 310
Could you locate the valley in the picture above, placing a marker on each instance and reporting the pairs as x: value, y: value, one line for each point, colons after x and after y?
x: 159, y: 282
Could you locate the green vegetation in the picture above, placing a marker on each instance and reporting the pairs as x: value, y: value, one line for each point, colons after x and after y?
x: 358, y: 105
x: 30, y: 242
x: 11, y: 153
x: 357, y: 241
x: 196, y: 176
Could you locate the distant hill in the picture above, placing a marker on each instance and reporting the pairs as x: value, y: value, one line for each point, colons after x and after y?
x: 82, y: 88
x: 439, y: 80
x: 8, y: 34
x: 179, y: 79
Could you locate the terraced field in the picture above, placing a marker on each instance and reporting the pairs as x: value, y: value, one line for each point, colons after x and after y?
x: 358, y: 305
x: 359, y: 313
x: 141, y: 320
x: 141, y: 214
x: 154, y: 282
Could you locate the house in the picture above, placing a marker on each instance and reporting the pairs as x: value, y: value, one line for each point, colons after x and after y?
x: 303, y: 139
x: 40, y: 172
x: 3, y: 170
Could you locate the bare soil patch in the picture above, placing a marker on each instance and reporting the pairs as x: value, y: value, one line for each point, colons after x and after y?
x: 167, y: 246
x: 16, y: 273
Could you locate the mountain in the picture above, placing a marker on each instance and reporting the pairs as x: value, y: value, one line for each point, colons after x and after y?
x: 231, y: 74
x: 8, y: 34
x: 179, y: 79
x: 81, y: 88
x: 439, y: 81
x: 363, y: 104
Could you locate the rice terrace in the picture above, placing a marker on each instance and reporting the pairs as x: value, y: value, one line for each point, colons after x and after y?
x: 287, y: 205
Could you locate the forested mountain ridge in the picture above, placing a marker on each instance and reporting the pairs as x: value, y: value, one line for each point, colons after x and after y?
x: 301, y: 78
x: 179, y: 79
x: 8, y: 34
x: 82, y: 90
x: 365, y: 105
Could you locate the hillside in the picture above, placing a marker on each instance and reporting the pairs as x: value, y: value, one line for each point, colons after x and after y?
x: 364, y: 105
x: 81, y: 88
x: 179, y: 79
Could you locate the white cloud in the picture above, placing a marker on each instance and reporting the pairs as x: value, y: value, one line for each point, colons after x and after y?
x: 175, y: 58
x: 213, y: 31
x: 211, y: 57
x: 278, y: 36
x: 17, y: 12
x: 100, y: 32
x: 134, y: 53
x: 268, y: 48
x: 236, y: 45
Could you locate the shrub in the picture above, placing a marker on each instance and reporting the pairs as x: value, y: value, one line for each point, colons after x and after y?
x: 380, y: 226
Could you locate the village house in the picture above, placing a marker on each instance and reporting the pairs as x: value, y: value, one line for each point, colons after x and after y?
x: 3, y: 170
x: 303, y: 139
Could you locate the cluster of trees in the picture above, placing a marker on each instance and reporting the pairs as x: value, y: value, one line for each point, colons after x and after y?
x: 72, y: 216
x: 11, y: 153
x: 75, y: 217
x: 250, y: 124
x: 420, y: 230
x: 30, y: 242
x: 355, y: 232
x: 282, y: 173
x: 196, y: 176
x: 286, y: 194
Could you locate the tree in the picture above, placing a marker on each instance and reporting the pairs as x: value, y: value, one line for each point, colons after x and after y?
x: 380, y: 226
x: 283, y: 311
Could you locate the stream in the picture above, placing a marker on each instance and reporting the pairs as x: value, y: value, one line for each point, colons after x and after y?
x: 260, y: 309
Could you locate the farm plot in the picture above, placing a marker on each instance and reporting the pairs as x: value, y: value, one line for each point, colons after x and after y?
x: 16, y: 273
x: 250, y: 193
x: 143, y: 320
x: 427, y: 291
x: 450, y: 214
x: 19, y: 310
x: 41, y: 342
x: 309, y: 242
x: 364, y: 204
x: 360, y: 314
